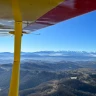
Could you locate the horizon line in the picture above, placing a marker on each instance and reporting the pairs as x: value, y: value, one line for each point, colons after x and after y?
x: 50, y: 51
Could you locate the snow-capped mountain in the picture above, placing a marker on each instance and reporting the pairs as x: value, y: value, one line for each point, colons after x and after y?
x: 50, y: 55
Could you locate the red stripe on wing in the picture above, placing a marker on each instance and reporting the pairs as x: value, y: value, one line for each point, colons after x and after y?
x: 64, y: 11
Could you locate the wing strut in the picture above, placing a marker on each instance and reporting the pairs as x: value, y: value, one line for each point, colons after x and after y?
x: 14, y: 83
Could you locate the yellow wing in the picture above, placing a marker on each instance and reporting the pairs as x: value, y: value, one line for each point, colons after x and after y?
x: 30, y: 9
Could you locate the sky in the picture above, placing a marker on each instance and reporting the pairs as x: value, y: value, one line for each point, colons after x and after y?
x: 76, y: 34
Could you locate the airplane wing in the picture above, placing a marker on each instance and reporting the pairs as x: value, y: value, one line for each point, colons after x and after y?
x: 37, y: 14
x: 66, y: 10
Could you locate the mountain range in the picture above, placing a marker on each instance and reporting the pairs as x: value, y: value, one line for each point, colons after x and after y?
x: 7, y: 57
x: 51, y: 73
x: 42, y: 78
x: 53, y: 53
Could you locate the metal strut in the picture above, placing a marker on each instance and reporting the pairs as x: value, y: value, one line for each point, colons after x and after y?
x: 14, y: 83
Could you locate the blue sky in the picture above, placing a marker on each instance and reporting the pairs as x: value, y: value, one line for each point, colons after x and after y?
x: 76, y: 34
